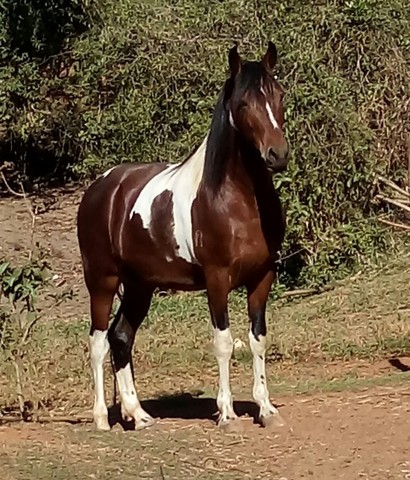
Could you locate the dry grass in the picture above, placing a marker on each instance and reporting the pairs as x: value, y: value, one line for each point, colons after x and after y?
x: 366, y: 318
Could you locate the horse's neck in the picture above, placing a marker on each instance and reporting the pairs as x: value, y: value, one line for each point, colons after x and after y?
x: 248, y: 168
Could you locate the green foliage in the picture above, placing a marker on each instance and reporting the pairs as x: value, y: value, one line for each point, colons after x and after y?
x: 20, y: 284
x: 140, y: 85
x: 20, y: 287
x: 40, y: 28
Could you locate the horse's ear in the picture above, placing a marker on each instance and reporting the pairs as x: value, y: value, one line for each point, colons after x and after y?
x: 235, y: 61
x: 271, y: 57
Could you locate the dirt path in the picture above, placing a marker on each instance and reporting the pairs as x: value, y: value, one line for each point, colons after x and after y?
x: 345, y: 436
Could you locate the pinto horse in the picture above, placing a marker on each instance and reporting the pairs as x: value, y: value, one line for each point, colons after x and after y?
x: 212, y: 222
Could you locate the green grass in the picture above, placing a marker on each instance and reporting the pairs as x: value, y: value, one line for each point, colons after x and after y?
x: 364, y: 318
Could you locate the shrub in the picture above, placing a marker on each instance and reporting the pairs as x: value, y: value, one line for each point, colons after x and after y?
x: 141, y: 84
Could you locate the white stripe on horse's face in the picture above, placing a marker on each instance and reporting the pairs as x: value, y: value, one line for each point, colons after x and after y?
x: 182, y: 180
x: 269, y: 110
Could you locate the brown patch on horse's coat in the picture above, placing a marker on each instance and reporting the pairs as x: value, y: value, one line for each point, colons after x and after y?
x: 161, y: 225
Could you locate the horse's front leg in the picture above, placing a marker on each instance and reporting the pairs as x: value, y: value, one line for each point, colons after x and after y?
x: 217, y: 291
x: 257, y: 298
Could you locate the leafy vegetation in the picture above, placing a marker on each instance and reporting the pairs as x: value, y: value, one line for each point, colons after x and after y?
x: 20, y: 287
x: 94, y: 84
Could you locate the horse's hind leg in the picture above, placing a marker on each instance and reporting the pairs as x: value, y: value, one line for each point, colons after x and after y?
x: 134, y: 308
x: 101, y: 299
x: 257, y: 298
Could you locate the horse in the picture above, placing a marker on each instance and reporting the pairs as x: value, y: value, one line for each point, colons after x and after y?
x: 213, y: 222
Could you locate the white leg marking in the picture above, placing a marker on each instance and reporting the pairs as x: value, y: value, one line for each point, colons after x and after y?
x: 130, y: 405
x: 223, y: 347
x: 260, y: 389
x: 269, y: 110
x: 99, y: 348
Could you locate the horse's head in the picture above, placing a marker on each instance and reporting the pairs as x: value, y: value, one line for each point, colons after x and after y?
x: 254, y: 98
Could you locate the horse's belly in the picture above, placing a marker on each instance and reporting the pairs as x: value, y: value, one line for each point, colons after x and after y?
x: 165, y: 273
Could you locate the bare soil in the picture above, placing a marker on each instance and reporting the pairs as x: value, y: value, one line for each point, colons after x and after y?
x: 343, y: 435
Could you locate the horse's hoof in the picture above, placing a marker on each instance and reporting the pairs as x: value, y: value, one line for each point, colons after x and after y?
x: 127, y: 418
x: 144, y: 422
x: 273, y: 420
x: 230, y: 425
x: 102, y: 424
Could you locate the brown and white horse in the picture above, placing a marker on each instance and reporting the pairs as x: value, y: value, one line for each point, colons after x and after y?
x: 212, y: 222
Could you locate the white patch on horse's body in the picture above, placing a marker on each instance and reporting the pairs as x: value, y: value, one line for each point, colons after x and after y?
x: 260, y: 389
x: 270, y: 113
x: 105, y: 174
x: 99, y: 347
x: 223, y: 347
x: 182, y: 180
x: 130, y: 405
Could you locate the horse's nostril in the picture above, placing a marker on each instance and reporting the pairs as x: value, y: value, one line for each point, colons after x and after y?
x: 272, y: 154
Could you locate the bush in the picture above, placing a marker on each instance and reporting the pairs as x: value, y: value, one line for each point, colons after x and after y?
x: 141, y: 84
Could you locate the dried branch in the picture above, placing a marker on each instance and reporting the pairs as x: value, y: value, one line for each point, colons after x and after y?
x: 393, y: 202
x: 28, y: 330
x: 305, y: 292
x: 19, y: 386
x: 394, y: 224
x: 392, y: 185
x: 13, y: 192
x: 46, y: 419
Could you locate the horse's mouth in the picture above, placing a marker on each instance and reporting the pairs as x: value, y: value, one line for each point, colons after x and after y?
x: 275, y: 168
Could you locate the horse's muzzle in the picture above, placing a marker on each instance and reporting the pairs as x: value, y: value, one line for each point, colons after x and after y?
x: 277, y: 159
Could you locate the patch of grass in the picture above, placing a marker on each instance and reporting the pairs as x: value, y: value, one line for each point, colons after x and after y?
x: 82, y: 454
x: 365, y: 318
x: 348, y: 381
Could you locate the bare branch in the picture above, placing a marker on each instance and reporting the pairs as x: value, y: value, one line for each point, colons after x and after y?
x: 46, y: 419
x: 27, y: 331
x: 13, y: 192
x: 394, y: 224
x: 392, y: 185
x: 19, y: 387
x: 305, y: 292
x: 393, y: 202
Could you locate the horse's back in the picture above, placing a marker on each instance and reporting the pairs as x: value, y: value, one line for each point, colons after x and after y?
x: 106, y: 202
x: 132, y: 176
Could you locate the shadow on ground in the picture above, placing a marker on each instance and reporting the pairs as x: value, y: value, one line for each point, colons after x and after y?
x: 184, y: 406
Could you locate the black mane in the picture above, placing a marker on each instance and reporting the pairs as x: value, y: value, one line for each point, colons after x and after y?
x: 221, y: 134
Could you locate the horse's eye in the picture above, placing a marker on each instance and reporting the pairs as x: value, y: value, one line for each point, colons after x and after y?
x: 242, y: 104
